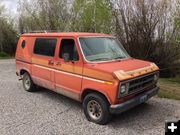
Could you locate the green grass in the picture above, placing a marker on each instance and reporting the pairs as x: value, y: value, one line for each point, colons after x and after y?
x: 169, y: 88
x: 4, y: 55
x: 173, y: 80
x: 2, y: 58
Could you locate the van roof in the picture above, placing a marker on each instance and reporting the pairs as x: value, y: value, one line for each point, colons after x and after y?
x: 68, y: 34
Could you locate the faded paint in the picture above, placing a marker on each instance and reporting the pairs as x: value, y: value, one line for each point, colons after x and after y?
x: 73, y: 78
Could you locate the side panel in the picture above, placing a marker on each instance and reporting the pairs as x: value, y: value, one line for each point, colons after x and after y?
x: 23, y: 54
x: 43, y: 76
x: 20, y: 65
x: 41, y: 68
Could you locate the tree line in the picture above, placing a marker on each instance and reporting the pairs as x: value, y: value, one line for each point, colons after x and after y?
x: 148, y: 29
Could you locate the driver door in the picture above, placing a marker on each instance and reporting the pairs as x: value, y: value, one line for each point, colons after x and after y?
x: 68, y: 75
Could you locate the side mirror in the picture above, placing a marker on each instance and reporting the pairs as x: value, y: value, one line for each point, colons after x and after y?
x: 66, y: 57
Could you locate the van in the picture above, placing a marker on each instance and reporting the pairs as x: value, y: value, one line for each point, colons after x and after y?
x: 91, y: 68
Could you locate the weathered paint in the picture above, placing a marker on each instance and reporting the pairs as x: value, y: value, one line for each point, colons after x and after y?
x: 73, y: 78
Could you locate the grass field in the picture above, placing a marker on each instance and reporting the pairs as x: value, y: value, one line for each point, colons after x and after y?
x: 2, y: 58
x: 169, y: 88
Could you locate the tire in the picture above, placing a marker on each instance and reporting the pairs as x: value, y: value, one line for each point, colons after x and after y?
x: 28, y: 84
x: 96, y: 108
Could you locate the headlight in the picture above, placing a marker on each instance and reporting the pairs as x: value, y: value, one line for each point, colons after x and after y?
x: 155, y: 77
x: 123, y: 89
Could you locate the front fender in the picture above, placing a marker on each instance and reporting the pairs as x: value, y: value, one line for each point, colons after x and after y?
x: 109, y: 90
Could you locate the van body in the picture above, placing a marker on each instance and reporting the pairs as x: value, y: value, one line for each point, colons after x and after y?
x: 91, y: 68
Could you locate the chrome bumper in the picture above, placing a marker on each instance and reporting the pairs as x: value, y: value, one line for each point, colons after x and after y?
x: 119, y: 108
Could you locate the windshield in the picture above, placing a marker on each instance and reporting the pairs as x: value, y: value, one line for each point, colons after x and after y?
x: 102, y: 49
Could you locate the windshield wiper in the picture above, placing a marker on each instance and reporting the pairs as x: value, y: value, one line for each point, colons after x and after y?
x: 97, y: 59
x: 119, y: 57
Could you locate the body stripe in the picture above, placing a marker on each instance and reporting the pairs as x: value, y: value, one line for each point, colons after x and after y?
x: 56, y: 70
x: 91, y: 79
x: 67, y: 73
x: 20, y: 60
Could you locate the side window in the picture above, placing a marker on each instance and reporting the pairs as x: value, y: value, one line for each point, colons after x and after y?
x: 68, y: 46
x: 23, y: 45
x: 45, y: 46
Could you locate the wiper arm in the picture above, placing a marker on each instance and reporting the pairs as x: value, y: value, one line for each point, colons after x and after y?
x: 100, y: 59
x: 119, y: 57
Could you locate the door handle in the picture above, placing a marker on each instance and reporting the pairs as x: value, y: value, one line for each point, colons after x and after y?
x: 58, y: 63
x: 50, y: 62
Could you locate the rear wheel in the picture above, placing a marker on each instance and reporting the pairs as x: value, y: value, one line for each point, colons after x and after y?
x: 28, y: 83
x: 96, y: 108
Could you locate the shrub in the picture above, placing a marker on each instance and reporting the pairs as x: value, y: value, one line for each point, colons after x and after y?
x: 3, y: 54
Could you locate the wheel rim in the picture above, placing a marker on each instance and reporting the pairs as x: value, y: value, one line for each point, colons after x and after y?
x: 27, y: 82
x: 94, y: 110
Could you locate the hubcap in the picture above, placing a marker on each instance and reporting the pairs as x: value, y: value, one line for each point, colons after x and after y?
x: 94, y: 109
x: 27, y: 82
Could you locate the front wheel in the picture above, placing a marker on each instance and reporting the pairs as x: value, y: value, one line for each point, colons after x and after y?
x: 28, y: 83
x: 96, y: 108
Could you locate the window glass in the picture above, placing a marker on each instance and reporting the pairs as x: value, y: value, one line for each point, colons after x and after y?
x: 102, y: 49
x: 23, y: 44
x: 45, y: 46
x: 68, y: 46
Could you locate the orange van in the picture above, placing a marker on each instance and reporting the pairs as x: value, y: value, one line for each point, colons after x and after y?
x: 91, y: 68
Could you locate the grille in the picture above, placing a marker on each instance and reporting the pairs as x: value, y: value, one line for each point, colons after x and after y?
x: 141, y: 83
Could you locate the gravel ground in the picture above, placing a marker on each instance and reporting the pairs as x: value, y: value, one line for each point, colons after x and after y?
x: 48, y: 113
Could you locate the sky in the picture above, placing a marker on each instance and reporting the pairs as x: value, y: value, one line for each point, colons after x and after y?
x: 11, y: 5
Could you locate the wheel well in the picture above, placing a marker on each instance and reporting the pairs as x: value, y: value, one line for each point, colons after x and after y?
x: 23, y: 71
x: 88, y: 91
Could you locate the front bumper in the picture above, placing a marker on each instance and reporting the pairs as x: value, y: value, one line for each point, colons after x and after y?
x: 119, y: 108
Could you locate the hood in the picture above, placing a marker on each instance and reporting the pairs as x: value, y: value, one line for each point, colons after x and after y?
x: 126, y: 69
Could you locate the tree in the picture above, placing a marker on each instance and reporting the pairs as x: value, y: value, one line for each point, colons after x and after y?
x: 7, y: 33
x: 92, y: 16
x: 146, y: 29
x: 1, y: 40
x: 43, y: 15
x: 177, y: 21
